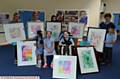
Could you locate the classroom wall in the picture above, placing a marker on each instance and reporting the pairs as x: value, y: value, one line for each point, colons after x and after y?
x: 49, y: 6
x: 112, y: 6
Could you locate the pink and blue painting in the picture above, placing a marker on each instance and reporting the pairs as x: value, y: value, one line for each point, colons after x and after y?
x: 64, y: 67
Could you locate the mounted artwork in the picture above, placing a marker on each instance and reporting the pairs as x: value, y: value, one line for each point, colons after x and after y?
x: 55, y: 28
x: 87, y: 60
x: 33, y: 27
x: 76, y: 29
x: 64, y: 67
x: 96, y: 38
x: 14, y: 32
x: 26, y: 53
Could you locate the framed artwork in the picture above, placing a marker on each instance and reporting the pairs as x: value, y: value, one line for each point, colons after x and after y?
x: 64, y: 67
x: 2, y: 38
x: 19, y: 77
x: 14, y: 32
x: 87, y: 60
x: 33, y: 27
x: 76, y: 29
x: 96, y: 38
x: 26, y: 53
x: 55, y: 28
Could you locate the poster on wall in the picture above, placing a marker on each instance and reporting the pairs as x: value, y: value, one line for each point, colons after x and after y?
x: 14, y: 32
x: 76, y: 29
x: 4, y: 17
x: 116, y: 20
x: 55, y: 28
x: 71, y: 16
x: 33, y: 27
x: 87, y: 60
x: 64, y: 67
x: 96, y: 38
x: 83, y: 17
x: 26, y: 53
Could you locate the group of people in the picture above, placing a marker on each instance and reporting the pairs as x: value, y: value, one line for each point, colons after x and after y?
x: 45, y: 47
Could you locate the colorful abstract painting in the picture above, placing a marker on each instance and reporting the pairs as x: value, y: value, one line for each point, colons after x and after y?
x: 26, y: 53
x: 76, y: 29
x: 55, y: 28
x: 64, y: 67
x: 33, y: 27
x: 87, y: 60
x: 14, y: 32
x: 96, y: 38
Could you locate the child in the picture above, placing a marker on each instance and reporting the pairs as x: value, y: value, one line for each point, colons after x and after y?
x: 49, y: 50
x: 84, y: 42
x: 35, y: 16
x: 16, y: 19
x: 66, y: 43
x: 109, y: 42
x: 39, y: 48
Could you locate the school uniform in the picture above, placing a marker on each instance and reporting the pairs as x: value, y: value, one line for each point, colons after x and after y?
x: 108, y: 48
x: 48, y: 42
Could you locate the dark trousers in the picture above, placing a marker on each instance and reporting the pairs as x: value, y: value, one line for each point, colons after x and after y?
x: 15, y: 51
x: 66, y: 50
x: 49, y: 60
x: 108, y: 55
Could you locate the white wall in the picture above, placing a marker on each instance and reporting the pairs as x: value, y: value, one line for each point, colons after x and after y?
x: 112, y: 6
x: 49, y: 6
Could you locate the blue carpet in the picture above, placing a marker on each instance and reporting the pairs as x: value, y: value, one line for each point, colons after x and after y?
x: 8, y: 68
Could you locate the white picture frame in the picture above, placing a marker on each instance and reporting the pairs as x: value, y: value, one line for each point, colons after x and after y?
x: 55, y: 28
x: 14, y: 32
x: 33, y: 27
x: 64, y: 67
x: 26, y: 55
x: 96, y: 38
x: 76, y: 29
x: 87, y: 60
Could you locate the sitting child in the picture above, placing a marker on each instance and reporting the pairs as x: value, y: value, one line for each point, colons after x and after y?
x: 66, y: 43
x: 84, y: 41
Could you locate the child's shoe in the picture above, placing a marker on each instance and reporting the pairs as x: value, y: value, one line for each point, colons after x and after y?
x: 45, y: 65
